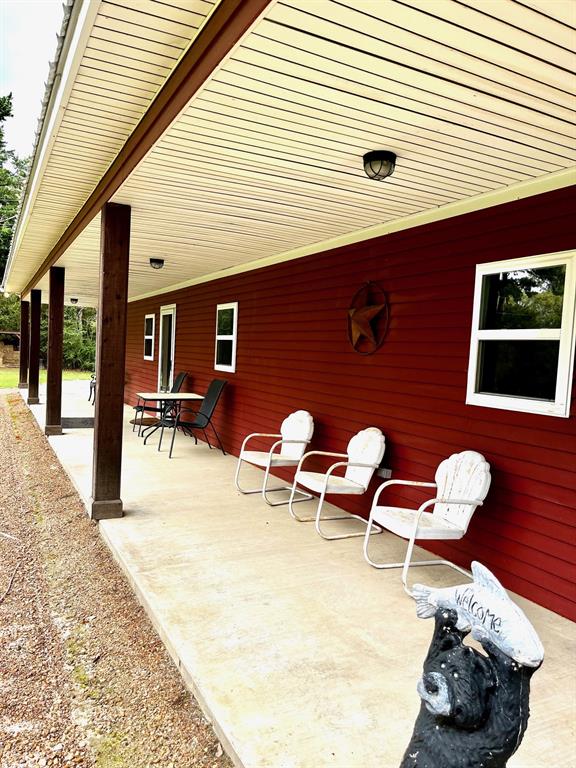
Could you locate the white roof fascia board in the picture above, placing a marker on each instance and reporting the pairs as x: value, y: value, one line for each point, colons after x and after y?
x: 64, y: 78
x: 519, y: 191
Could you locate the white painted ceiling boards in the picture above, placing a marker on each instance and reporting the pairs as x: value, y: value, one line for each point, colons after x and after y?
x: 475, y: 98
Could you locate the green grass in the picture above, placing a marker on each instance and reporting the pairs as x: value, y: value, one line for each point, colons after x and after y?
x: 9, y: 376
x: 111, y: 751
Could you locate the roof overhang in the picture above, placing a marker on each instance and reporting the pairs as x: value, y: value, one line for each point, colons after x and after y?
x: 236, y: 131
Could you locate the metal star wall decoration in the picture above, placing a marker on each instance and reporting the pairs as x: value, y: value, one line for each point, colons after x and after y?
x: 368, y: 319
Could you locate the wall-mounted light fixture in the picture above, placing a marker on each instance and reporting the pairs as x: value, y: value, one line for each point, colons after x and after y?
x: 156, y: 263
x: 73, y: 300
x: 379, y: 164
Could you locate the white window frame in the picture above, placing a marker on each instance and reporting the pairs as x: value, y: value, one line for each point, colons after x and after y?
x: 560, y: 406
x: 226, y: 337
x: 149, y: 336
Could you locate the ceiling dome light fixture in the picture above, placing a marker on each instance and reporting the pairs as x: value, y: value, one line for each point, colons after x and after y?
x: 73, y: 300
x: 156, y: 263
x: 379, y: 164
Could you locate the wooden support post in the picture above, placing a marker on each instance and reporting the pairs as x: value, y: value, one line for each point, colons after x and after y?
x: 34, y: 351
x: 24, y: 343
x: 110, y: 361
x: 55, y: 339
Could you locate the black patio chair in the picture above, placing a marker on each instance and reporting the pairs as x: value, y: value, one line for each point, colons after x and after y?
x: 159, y: 409
x: 202, y: 417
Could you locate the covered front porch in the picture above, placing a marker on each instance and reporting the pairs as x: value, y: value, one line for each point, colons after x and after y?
x: 300, y: 653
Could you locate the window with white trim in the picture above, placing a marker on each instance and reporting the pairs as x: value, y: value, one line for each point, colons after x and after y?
x: 522, y: 344
x: 149, y: 328
x: 226, y: 331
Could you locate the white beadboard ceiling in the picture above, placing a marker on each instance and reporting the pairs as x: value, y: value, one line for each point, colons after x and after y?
x: 475, y: 97
x: 127, y: 52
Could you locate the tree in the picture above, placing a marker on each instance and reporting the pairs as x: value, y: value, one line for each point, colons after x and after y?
x: 13, y: 171
x: 9, y: 313
x: 527, y: 298
x: 79, y: 344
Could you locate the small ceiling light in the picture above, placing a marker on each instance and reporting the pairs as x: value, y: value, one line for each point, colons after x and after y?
x: 156, y: 263
x: 379, y: 164
x: 73, y: 300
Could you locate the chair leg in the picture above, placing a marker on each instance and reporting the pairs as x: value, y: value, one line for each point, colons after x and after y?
x: 165, y: 422
x: 407, y: 563
x: 149, y: 431
x: 218, y: 439
x: 293, y: 491
x: 172, y: 441
x: 264, y: 490
x: 136, y: 414
x: 337, y: 536
x: 302, y: 496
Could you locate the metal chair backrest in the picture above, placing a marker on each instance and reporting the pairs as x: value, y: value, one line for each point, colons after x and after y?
x: 178, y: 381
x: 367, y: 447
x: 464, y: 475
x: 297, y: 426
x: 210, y: 400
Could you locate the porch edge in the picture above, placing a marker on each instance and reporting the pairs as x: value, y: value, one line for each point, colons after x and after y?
x: 185, y: 673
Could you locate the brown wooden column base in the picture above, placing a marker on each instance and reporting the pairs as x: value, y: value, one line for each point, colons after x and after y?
x: 53, y: 429
x: 105, y: 510
x: 22, y: 385
x: 33, y: 400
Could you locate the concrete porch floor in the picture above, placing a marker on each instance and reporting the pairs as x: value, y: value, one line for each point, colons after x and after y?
x: 301, y: 654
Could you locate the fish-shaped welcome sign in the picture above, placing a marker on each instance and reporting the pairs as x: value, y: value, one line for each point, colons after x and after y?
x: 484, y: 606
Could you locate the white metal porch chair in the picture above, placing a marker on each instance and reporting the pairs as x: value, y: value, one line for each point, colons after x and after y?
x: 363, y: 455
x: 462, y: 482
x: 295, y: 434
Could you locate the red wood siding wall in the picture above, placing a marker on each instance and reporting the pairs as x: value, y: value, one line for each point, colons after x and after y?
x: 293, y: 353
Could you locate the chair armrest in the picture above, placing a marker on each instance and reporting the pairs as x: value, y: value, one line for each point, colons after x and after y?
x: 187, y: 410
x: 256, y: 434
x: 179, y: 413
x: 331, y: 469
x: 408, y: 482
x: 476, y: 502
x: 323, y: 453
x: 318, y: 453
x: 335, y: 466
x: 283, y: 442
x: 416, y: 483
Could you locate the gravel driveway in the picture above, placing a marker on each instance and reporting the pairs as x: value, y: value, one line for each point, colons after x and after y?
x: 84, y: 680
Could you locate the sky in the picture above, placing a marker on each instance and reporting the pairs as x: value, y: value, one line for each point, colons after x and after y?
x: 28, y: 43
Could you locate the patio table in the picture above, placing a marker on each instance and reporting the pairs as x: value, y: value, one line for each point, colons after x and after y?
x: 163, y: 397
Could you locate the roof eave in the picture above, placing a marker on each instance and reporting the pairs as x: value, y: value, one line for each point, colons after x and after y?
x: 73, y: 12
